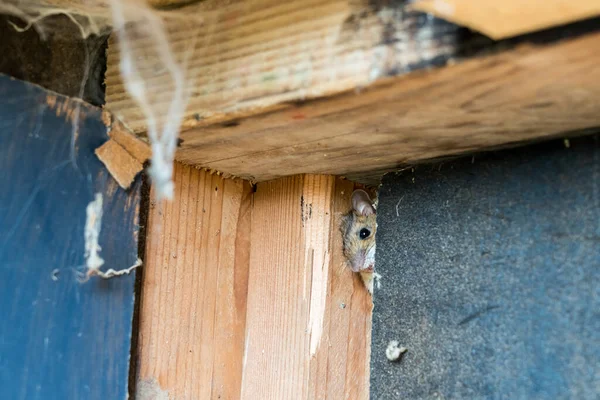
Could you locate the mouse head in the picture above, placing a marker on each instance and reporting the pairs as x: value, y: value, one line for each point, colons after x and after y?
x: 358, y: 230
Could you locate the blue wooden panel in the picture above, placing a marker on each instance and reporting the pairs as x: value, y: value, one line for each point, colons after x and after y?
x: 60, y: 339
x: 491, y: 277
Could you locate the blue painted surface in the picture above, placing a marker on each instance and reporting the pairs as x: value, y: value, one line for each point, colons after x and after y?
x: 491, y: 277
x: 60, y: 339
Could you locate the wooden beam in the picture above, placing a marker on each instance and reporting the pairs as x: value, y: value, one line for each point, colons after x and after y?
x: 247, y: 56
x: 520, y: 95
x: 236, y: 284
x: 255, y: 65
x: 193, y: 306
x: 250, y: 56
x: 309, y: 319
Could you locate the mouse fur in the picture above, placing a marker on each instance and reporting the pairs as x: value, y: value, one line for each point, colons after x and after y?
x: 358, y: 246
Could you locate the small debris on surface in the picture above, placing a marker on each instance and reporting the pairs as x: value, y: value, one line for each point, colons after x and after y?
x: 377, y: 277
x: 398, y: 205
x: 567, y: 143
x: 393, y: 352
x: 54, y: 275
x: 342, y: 305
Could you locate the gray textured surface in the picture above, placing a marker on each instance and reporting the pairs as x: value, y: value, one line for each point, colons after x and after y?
x: 491, y: 277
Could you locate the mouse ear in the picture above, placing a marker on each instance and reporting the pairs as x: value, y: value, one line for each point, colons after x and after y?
x: 361, y: 202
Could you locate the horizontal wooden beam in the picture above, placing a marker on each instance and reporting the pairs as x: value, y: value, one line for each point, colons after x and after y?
x: 519, y: 95
x: 246, y: 57
x: 271, y: 97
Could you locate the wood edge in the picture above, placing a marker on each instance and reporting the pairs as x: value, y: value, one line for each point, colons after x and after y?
x: 119, y: 162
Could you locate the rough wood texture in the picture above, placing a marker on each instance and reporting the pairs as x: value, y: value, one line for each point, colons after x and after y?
x: 252, y: 55
x: 308, y: 324
x: 252, y: 61
x: 195, y: 282
x: 250, y: 298
x: 524, y: 94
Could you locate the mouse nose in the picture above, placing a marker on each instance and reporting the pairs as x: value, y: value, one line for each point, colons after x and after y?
x: 358, y: 263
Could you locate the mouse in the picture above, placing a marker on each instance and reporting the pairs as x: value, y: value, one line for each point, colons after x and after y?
x: 358, y: 228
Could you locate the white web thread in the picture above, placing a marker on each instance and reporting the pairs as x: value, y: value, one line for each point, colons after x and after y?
x: 165, y: 144
x: 93, y: 261
x: 163, y: 139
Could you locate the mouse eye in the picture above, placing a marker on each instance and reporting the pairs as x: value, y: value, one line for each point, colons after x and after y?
x: 364, y: 233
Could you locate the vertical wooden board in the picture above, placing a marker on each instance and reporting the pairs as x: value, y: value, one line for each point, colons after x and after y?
x: 193, y: 305
x: 277, y: 339
x: 340, y: 296
x: 232, y: 287
x: 359, y: 343
x: 301, y: 342
x: 60, y: 339
x: 350, y: 316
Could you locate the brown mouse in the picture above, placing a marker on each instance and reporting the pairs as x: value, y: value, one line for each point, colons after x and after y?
x: 359, y: 226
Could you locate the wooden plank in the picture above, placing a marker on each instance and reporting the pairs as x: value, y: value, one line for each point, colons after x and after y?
x: 502, y: 19
x: 253, y: 61
x: 193, y: 305
x: 244, y: 55
x: 308, y: 319
x: 525, y: 94
x: 59, y: 338
x: 230, y: 273
x: 253, y: 55
x: 250, y: 56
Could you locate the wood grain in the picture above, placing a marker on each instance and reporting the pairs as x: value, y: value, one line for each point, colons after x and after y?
x: 272, y: 98
x: 193, y: 306
x: 520, y: 95
x: 247, y: 56
x: 251, y: 298
x: 308, y: 323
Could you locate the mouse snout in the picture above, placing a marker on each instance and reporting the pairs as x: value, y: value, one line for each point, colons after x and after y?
x: 358, y: 262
